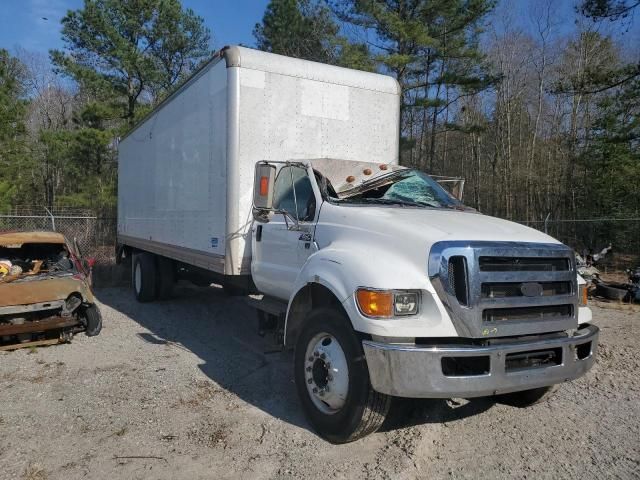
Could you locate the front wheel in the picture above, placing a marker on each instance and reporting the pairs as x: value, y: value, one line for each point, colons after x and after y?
x: 332, y: 379
x: 92, y: 320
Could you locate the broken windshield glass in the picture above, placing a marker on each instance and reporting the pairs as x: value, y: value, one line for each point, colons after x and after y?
x: 407, y: 187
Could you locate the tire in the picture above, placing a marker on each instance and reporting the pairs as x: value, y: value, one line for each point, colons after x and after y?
x: 165, y: 278
x: 360, y: 410
x: 143, y: 277
x: 611, y: 291
x: 93, y: 321
x: 527, y: 398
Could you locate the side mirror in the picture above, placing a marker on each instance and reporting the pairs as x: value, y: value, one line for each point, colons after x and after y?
x: 263, y: 182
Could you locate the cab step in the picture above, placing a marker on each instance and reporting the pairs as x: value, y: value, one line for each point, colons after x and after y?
x: 271, y: 317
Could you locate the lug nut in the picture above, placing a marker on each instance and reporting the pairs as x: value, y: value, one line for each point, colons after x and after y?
x: 310, y: 359
x: 308, y: 369
x: 316, y: 353
x: 310, y: 381
x: 315, y: 390
x: 323, y: 356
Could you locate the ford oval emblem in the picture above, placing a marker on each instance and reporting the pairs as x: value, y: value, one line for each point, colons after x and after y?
x: 531, y: 289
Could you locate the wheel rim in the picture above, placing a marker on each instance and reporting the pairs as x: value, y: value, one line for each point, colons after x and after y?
x: 326, y: 373
x: 137, y: 278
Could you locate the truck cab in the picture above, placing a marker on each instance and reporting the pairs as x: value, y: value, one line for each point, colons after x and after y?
x: 394, y: 288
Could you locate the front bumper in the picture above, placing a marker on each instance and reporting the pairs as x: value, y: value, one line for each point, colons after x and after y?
x: 417, y: 371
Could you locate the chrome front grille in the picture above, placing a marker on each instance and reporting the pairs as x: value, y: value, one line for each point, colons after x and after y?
x: 493, y: 289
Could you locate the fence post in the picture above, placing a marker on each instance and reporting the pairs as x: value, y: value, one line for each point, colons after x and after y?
x: 53, y: 220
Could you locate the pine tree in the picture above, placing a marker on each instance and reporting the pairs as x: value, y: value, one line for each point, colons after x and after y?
x: 306, y: 29
x: 12, y: 128
x: 131, y: 51
x: 431, y: 47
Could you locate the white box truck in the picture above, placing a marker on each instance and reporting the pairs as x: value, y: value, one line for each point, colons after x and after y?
x: 280, y: 176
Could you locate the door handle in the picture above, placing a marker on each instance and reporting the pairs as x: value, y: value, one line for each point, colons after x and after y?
x: 305, y: 237
x: 258, y: 233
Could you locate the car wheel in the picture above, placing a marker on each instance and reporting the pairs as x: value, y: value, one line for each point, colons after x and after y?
x: 332, y: 379
x: 92, y: 320
x: 144, y: 277
x: 527, y: 398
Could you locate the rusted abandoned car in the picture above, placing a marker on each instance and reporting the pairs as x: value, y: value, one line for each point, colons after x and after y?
x: 45, y: 290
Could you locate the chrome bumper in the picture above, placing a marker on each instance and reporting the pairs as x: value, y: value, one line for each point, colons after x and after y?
x: 416, y: 371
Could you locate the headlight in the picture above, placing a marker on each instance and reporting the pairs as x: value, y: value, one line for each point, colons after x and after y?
x: 582, y: 290
x: 387, y: 303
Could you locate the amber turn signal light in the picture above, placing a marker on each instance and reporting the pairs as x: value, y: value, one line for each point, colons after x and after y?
x: 583, y: 295
x: 264, y: 186
x: 375, y: 303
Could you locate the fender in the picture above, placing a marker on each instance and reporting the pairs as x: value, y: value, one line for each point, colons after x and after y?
x: 343, y: 267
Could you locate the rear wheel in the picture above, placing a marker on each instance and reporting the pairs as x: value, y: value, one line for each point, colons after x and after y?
x: 166, y: 278
x: 144, y: 277
x: 332, y: 379
x: 526, y: 398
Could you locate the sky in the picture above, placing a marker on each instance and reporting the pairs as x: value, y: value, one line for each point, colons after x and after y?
x: 35, y: 24
x: 22, y: 23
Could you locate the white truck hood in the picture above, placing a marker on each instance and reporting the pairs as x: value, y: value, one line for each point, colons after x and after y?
x: 427, y: 226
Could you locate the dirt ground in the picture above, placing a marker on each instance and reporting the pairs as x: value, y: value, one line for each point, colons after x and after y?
x: 182, y: 390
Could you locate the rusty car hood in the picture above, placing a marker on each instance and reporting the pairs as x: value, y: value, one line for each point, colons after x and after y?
x: 19, y: 238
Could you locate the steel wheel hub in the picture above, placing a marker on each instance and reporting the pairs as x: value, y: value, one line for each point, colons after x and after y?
x: 326, y: 373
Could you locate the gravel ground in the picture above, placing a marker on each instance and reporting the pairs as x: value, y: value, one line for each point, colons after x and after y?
x: 182, y: 390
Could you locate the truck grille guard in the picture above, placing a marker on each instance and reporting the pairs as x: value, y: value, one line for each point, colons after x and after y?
x: 501, y: 289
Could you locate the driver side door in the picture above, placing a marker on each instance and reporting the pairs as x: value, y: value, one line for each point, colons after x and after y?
x: 276, y: 259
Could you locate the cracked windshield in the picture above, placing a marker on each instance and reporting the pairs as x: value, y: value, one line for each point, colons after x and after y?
x: 402, y: 187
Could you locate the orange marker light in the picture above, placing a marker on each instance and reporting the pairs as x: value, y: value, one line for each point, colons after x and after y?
x: 583, y: 295
x: 375, y: 303
x: 264, y: 186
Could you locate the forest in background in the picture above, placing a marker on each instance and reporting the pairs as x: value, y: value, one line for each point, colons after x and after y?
x: 539, y: 121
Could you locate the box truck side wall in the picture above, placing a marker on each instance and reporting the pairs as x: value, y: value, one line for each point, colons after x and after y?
x: 172, y: 174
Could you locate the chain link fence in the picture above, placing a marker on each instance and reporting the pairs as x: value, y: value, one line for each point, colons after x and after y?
x: 96, y: 236
x: 594, y: 234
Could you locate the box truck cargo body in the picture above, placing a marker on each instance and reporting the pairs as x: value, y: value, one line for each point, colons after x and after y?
x: 186, y: 171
